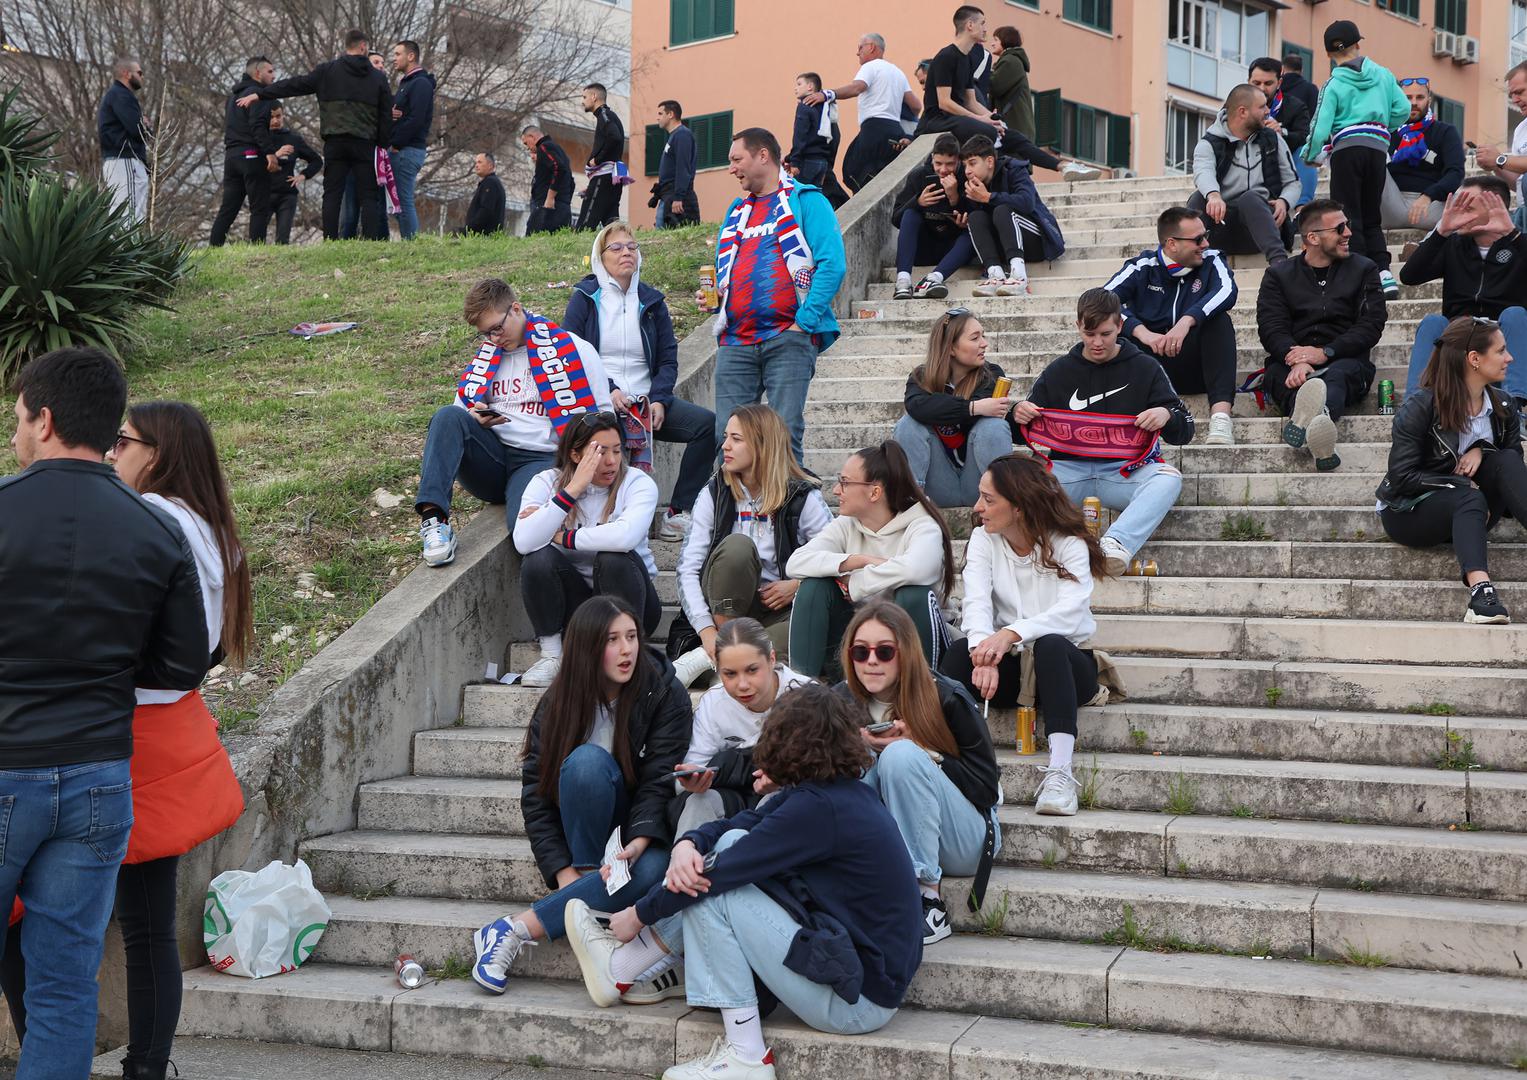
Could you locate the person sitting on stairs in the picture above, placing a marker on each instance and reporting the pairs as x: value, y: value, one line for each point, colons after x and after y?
x: 1455, y: 462
x: 930, y: 221
x: 1008, y: 222
x: 599, y: 756
x: 1245, y: 179
x: 935, y: 768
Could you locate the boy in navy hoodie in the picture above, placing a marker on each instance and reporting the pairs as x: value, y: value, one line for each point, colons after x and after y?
x: 814, y: 141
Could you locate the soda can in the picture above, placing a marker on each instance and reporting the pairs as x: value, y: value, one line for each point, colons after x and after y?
x: 410, y: 971
x: 1092, y: 513
x: 1027, y: 720
x: 1003, y: 388
x: 1386, y: 397
x: 709, y: 296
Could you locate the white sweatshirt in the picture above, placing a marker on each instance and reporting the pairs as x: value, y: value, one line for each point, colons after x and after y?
x: 1004, y: 590
x: 513, y: 392
x: 209, y: 567
x: 721, y: 721
x: 626, y: 530
x: 620, y: 328
x: 911, y: 542
x: 814, y: 518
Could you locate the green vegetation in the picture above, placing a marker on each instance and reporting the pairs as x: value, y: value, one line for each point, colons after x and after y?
x: 1245, y: 527
x: 1181, y: 795
x: 1092, y: 782
x: 1138, y: 737
x: 25, y: 145
x: 1457, y: 753
x: 1435, y: 708
x: 1274, y: 695
x: 1241, y: 810
x: 994, y: 917
x: 455, y: 967
x: 1050, y: 857
x: 1363, y: 958
x: 375, y: 892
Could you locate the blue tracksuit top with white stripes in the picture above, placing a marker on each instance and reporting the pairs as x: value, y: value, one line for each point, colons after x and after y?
x: 1155, y: 296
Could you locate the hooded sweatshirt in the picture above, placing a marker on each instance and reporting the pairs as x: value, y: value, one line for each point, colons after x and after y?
x: 1008, y: 591
x: 1246, y: 171
x: 354, y: 99
x: 911, y: 543
x: 416, y: 101
x: 1360, y: 105
x: 722, y: 722
x: 1127, y: 385
x: 590, y: 532
x: 209, y: 567
x: 620, y: 330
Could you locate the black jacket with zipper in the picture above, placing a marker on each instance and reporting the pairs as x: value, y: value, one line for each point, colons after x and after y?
x: 659, y: 729
x: 312, y: 162
x: 940, y: 216
x: 1472, y: 284
x: 1127, y: 385
x: 948, y: 409
x: 247, y: 129
x: 609, y: 136
x: 1347, y: 314
x: 101, y: 596
x: 1422, y: 455
x: 354, y: 99
x: 553, y: 173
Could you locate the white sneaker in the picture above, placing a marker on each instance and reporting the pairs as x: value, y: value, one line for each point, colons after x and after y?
x: 1221, y: 430
x: 1309, y: 402
x: 1057, y: 793
x: 1013, y: 287
x: 723, y: 1063
x: 1117, y: 556
x: 594, y: 946
x: 673, y: 526
x: 439, y: 541
x: 1390, y: 285
x: 542, y: 672
x: 1098, y: 700
x: 691, y: 666
x: 656, y: 990
x: 1075, y: 170
x: 987, y: 287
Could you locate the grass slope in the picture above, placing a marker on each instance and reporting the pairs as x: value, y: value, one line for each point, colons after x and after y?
x: 310, y: 430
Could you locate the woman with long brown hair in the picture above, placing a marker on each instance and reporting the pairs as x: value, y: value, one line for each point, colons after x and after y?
x: 936, y: 770
x: 1455, y: 462
x: 1028, y: 576
x: 955, y: 427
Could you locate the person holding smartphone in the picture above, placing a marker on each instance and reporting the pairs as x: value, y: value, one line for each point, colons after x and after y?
x: 935, y: 768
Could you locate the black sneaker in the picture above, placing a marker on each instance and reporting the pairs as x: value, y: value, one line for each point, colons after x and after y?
x: 1484, y: 607
x: 931, y: 290
x: 935, y: 921
x: 903, y: 292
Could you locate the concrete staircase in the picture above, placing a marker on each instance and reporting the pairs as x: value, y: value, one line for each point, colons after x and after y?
x: 1302, y: 852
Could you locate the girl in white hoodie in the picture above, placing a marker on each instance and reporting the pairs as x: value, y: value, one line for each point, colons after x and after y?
x: 1028, y: 589
x: 888, y: 541
x: 583, y: 532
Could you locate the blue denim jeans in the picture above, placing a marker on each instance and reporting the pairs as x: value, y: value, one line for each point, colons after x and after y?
x: 1144, y: 497
x: 591, y: 794
x: 946, y: 483
x: 728, y: 938
x: 1513, y: 326
x: 781, y: 367
x: 63, y: 833
x: 694, y: 425
x: 944, y: 833
x: 459, y: 448
x: 1309, y: 177
x: 406, y: 164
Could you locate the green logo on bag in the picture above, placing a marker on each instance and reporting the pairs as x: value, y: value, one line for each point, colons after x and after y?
x: 214, y: 920
x: 300, y: 950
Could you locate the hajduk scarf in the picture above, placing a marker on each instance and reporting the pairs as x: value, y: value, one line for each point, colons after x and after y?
x: 1275, y: 105
x: 1412, y: 146
x: 617, y: 171
x: 555, y: 365
x: 1177, y: 270
x: 782, y: 226
x: 1099, y: 436
x: 386, y: 181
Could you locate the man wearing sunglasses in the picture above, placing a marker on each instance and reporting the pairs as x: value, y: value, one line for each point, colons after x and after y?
x: 1245, y: 179
x: 1425, y: 164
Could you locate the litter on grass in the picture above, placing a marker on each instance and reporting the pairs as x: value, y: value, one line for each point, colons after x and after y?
x: 320, y: 329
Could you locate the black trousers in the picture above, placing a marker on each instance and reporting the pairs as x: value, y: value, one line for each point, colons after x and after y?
x: 146, y: 914
x: 1248, y: 227
x: 1462, y: 516
x: 1357, y: 182
x: 284, y: 208
x: 962, y: 127
x: 601, y: 204
x: 1206, y: 363
x: 1347, y: 380
x: 13, y: 980
x: 553, y: 588
x: 1001, y: 234
x: 872, y: 150
x: 1064, y: 677
x: 346, y: 157
x: 243, y: 178
x: 560, y: 216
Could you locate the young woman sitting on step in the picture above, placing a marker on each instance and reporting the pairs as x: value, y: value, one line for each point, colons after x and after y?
x: 935, y: 768
x: 954, y: 428
x: 598, y: 757
x: 583, y: 532
x: 1028, y: 577
x: 727, y: 722
x: 752, y: 516
x: 1455, y: 465
x: 888, y: 541
x: 811, y: 896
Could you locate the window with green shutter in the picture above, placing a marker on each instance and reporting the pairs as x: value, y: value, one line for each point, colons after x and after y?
x: 1097, y: 14
x: 1448, y: 110
x: 1081, y: 131
x: 713, y: 141
x: 657, y: 138
x: 1047, y: 117
x: 697, y: 20
x: 1408, y: 9
x: 1304, y: 54
x: 1452, y: 15
x: 1118, y: 143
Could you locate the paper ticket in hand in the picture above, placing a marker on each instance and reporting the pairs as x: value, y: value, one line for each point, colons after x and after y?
x: 620, y: 870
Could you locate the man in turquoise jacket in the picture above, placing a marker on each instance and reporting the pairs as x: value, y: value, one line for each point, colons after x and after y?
x: 779, y: 262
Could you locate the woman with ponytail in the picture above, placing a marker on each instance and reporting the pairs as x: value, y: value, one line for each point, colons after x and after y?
x: 889, y: 542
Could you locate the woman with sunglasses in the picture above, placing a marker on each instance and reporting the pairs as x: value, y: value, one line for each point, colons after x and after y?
x: 888, y: 541
x: 1455, y: 462
x: 628, y: 321
x: 955, y: 427
x: 583, y: 532
x: 935, y: 768
x: 1028, y: 576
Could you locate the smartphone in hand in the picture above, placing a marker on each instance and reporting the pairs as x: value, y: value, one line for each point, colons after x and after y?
x: 880, y: 728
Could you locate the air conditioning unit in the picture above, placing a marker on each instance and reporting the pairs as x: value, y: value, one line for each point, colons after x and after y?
x: 1444, y: 42
x: 1466, y: 50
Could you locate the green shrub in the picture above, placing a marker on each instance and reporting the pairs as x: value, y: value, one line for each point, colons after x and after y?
x: 24, y: 147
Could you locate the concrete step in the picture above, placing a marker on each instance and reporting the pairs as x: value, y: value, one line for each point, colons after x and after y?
x: 1261, y: 431
x: 882, y: 401
x: 1298, y: 523
x: 1120, y: 244
x: 1054, y: 287
x: 1329, y: 598
x: 1043, y: 312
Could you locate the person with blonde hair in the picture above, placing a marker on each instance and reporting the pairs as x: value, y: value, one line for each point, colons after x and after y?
x: 757, y: 511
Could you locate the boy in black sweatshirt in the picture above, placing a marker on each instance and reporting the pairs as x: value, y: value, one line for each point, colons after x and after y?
x: 1104, y: 374
x: 814, y: 142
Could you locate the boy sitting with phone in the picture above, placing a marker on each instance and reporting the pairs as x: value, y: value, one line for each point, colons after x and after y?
x: 527, y: 380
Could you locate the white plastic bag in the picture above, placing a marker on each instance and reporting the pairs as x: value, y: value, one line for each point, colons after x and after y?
x: 264, y: 923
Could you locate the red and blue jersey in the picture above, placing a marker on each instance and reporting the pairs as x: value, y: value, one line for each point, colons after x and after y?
x: 761, y: 302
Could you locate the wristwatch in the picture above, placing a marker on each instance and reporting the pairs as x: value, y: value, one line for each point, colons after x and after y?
x: 1500, y: 161
x: 1330, y: 352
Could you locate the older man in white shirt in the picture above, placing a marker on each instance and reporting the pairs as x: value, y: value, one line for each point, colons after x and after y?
x: 882, y: 90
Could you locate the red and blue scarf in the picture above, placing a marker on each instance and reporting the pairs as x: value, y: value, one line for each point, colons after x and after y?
x: 1277, y: 103
x: 785, y: 230
x: 1099, y: 436
x: 555, y: 365
x: 1412, y: 146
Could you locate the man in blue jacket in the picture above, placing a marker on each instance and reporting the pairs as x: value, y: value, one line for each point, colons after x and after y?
x: 674, y: 193
x: 1008, y: 222
x: 413, y: 110
x: 120, y: 124
x: 1177, y: 302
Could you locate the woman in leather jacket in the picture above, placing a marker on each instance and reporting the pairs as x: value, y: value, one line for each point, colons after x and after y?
x: 1455, y: 462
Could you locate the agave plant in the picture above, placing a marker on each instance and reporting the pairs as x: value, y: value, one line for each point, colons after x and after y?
x: 73, y: 269
x: 24, y: 146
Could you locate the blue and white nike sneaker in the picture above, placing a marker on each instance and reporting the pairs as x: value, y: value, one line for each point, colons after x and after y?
x: 497, y: 946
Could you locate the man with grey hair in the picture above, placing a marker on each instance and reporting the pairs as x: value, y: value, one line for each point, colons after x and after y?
x: 883, y: 91
x: 122, y: 129
x: 551, y: 188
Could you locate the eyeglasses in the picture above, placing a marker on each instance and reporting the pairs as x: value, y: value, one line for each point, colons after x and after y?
x: 496, y: 329
x: 843, y: 481
x: 1415, y: 82
x: 884, y: 652
x: 1339, y: 227
x: 621, y: 245
x: 1201, y: 240
x: 124, y: 437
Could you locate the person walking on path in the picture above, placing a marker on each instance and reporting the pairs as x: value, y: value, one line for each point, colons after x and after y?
x: 121, y: 129
x: 601, y: 199
x: 551, y: 187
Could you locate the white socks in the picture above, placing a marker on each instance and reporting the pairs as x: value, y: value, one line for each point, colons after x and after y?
x: 1060, y: 751
x: 521, y: 931
x: 903, y: 279
x: 935, y: 277
x: 551, y: 645
x: 633, y: 958
x: 744, y: 1031
x: 994, y: 273
x: 1019, y: 270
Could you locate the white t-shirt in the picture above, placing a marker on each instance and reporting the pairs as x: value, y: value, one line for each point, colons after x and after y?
x: 885, y: 87
x: 513, y: 393
x: 1519, y: 146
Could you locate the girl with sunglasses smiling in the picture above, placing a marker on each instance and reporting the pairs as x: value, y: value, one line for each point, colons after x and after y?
x: 936, y: 771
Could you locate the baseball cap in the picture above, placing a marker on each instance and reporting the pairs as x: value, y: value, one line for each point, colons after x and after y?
x: 1342, y: 34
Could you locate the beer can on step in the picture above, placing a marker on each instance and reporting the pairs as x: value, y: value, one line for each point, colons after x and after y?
x: 1386, y: 397
x: 1092, y: 513
x: 1027, y: 720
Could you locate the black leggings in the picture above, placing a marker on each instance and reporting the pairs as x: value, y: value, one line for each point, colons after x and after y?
x: 146, y: 914
x: 1064, y: 677
x: 1462, y: 515
x: 1002, y: 234
x: 553, y: 588
x: 13, y: 980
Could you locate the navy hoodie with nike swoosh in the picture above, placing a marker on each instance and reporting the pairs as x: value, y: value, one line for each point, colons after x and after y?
x: 1127, y: 385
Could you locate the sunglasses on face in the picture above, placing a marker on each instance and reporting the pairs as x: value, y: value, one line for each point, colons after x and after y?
x: 123, y: 438
x: 1415, y: 82
x: 885, y: 653
x: 1201, y: 240
x: 1339, y: 227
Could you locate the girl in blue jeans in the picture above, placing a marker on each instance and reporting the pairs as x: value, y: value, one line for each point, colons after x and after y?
x: 599, y: 756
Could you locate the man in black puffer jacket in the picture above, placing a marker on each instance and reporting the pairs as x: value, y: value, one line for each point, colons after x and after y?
x: 250, y: 156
